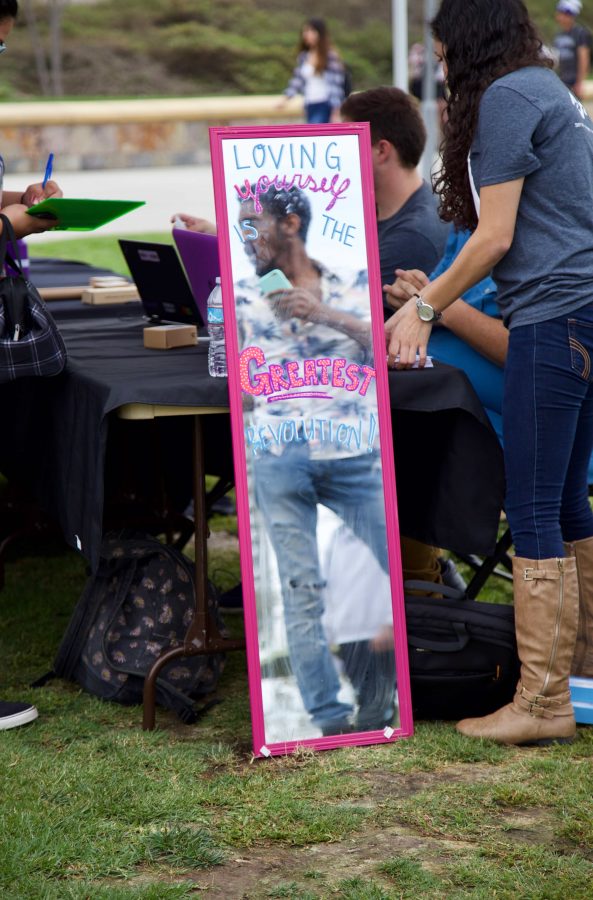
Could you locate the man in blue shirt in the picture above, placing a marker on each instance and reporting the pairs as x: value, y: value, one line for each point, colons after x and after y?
x: 411, y: 234
x: 470, y: 335
x: 413, y: 240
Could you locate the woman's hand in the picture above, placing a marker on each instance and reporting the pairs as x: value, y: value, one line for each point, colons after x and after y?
x: 25, y: 224
x: 407, y: 338
x: 35, y: 193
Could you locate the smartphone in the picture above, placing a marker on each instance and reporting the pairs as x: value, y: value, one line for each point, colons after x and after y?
x: 275, y: 280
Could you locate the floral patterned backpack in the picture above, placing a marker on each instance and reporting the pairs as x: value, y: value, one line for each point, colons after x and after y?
x: 137, y: 606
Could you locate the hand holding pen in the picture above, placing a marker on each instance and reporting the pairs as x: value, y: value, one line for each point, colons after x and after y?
x: 35, y: 193
x: 48, y: 170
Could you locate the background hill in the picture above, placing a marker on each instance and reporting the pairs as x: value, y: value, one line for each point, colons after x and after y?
x: 191, y: 47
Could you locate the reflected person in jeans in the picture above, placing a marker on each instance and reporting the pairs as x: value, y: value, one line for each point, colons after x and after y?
x: 312, y: 338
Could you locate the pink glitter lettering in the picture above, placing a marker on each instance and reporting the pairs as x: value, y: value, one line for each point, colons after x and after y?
x: 294, y: 380
x: 283, y: 379
x: 337, y: 379
x: 282, y: 183
x: 310, y: 372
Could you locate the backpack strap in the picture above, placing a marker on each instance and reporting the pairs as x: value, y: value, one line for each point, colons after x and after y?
x: 4, y: 237
x: 431, y: 587
x: 180, y: 703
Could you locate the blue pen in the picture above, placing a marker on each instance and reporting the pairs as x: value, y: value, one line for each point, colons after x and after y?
x: 48, y: 168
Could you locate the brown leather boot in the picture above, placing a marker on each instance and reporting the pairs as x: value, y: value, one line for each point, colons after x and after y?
x: 582, y: 661
x: 546, y: 618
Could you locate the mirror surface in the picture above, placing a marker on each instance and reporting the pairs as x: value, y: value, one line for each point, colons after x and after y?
x: 310, y: 426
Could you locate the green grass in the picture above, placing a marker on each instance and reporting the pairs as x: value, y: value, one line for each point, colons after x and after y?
x: 93, y: 807
x: 208, y: 48
x: 103, y: 251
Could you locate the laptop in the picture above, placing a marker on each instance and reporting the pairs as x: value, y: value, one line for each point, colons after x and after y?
x: 199, y: 255
x: 162, y: 284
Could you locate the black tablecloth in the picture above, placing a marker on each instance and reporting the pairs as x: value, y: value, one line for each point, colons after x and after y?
x: 448, y: 460
x: 47, y: 272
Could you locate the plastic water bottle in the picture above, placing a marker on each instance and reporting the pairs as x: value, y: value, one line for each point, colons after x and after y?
x: 216, y: 348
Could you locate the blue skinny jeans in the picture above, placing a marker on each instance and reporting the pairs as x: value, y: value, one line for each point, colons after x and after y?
x: 548, y: 433
x: 317, y: 113
x: 288, y: 489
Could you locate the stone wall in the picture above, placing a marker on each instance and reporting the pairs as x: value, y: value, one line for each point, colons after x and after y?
x: 120, y: 134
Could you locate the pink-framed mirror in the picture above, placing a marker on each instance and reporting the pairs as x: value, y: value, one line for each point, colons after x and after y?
x: 311, y: 424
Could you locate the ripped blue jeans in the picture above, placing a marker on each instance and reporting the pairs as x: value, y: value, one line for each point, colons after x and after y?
x: 548, y: 433
x: 288, y: 489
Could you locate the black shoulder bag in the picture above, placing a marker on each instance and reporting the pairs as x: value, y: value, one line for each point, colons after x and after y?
x: 463, y: 653
x: 30, y: 343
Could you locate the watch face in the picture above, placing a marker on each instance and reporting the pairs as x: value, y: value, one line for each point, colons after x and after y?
x: 426, y: 312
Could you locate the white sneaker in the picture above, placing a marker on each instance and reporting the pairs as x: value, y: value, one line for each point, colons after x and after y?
x: 14, y: 714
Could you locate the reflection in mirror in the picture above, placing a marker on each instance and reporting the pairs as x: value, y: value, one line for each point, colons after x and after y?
x: 359, y: 636
x: 305, y: 337
x: 312, y: 449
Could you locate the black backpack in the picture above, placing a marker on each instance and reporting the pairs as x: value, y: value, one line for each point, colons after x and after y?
x: 138, y: 605
x: 462, y: 653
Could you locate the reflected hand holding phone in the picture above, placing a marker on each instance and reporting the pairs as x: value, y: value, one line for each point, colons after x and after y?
x: 275, y: 280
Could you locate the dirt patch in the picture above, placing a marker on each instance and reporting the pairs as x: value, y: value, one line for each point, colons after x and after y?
x: 383, y: 785
x: 530, y: 826
x: 316, y: 870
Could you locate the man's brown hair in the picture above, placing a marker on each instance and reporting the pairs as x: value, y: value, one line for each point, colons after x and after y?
x: 394, y: 116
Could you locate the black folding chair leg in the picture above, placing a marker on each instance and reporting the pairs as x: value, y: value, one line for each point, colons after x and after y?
x: 490, y: 565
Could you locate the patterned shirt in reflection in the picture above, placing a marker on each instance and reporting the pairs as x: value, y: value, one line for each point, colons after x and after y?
x: 336, y: 422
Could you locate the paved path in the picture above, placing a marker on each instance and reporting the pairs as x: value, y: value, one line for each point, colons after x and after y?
x: 165, y: 190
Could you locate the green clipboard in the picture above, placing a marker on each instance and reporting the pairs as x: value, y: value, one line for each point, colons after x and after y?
x: 82, y: 215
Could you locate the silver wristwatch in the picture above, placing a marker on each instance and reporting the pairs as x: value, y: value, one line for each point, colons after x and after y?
x: 425, y: 311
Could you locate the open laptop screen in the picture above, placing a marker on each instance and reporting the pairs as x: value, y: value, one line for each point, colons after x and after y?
x: 162, y: 284
x: 199, y: 255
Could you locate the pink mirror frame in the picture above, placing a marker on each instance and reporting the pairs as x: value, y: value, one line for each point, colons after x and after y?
x: 228, y: 184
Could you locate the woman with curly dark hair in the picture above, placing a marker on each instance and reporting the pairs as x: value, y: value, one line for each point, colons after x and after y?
x: 518, y: 170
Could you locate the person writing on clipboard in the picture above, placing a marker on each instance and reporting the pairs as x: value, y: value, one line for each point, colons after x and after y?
x: 14, y: 205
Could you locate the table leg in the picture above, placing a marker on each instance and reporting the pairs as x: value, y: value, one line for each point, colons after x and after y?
x: 203, y: 635
x: 149, y: 692
x: 205, y: 629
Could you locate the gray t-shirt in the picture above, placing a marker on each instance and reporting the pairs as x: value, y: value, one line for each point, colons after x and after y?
x: 531, y: 126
